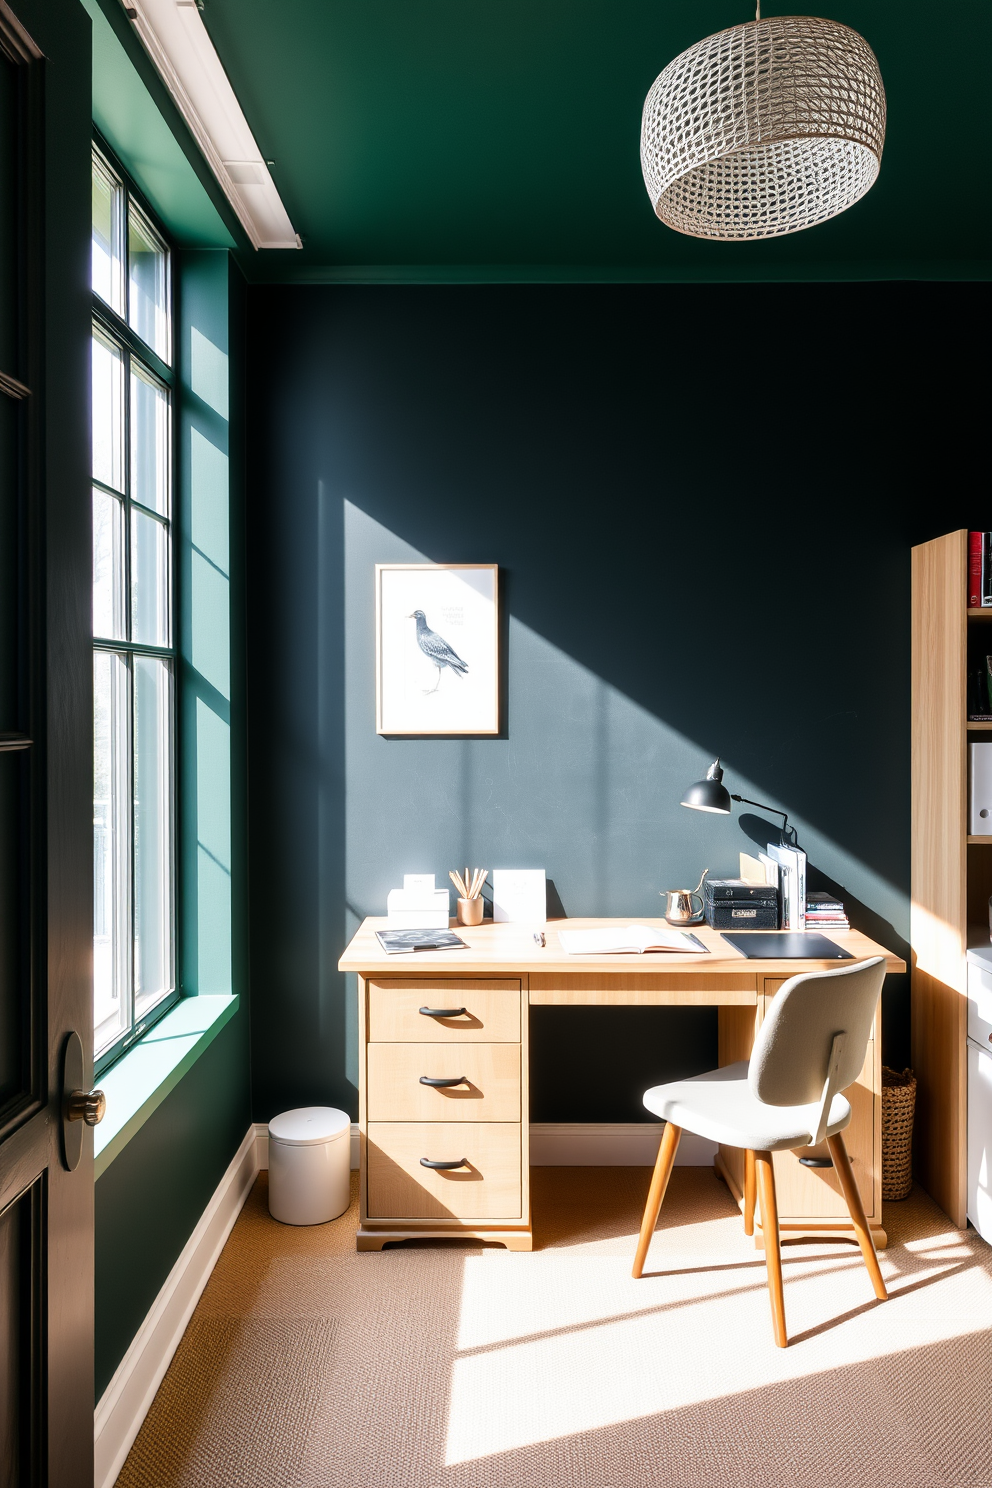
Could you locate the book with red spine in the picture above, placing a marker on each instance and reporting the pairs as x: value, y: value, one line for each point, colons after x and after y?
x: 976, y: 553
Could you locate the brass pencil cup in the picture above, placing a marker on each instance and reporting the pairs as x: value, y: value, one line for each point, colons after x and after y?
x: 470, y: 911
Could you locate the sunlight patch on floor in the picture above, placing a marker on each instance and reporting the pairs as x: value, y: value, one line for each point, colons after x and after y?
x: 555, y: 1347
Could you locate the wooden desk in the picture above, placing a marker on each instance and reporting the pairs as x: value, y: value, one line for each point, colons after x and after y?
x: 477, y: 1033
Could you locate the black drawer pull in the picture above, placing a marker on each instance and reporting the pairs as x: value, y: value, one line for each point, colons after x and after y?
x: 817, y: 1162
x: 442, y: 1084
x: 461, y: 1162
x: 443, y: 1012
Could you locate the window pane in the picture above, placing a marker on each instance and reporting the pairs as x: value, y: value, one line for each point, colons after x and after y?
x: 111, y: 833
x: 108, y: 567
x: 149, y: 580
x: 148, y: 294
x: 108, y: 236
x: 108, y: 414
x: 152, y: 832
x: 149, y: 441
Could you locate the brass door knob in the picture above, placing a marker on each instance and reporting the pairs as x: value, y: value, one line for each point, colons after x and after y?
x: 86, y: 1105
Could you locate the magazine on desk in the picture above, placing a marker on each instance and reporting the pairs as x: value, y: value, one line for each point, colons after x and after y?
x: 629, y: 940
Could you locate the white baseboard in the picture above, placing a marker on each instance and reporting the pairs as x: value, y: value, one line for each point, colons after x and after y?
x: 126, y: 1400
x: 574, y: 1144
x: 610, y: 1144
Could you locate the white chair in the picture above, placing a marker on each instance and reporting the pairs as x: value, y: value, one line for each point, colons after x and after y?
x: 810, y: 1047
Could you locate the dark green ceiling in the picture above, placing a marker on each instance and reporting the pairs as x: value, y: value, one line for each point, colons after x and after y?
x: 470, y: 139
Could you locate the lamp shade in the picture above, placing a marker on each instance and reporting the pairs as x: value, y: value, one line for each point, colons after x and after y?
x: 764, y: 129
x: 709, y: 794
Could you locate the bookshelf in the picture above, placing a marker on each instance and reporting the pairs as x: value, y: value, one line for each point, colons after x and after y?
x: 951, y: 871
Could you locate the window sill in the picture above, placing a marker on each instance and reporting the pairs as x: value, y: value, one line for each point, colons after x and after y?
x: 140, y: 1081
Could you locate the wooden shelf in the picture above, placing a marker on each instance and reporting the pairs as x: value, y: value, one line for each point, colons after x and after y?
x: 985, y: 726
x: 985, y: 613
x: 980, y: 841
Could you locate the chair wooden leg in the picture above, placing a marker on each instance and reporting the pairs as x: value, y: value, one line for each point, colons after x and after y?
x: 773, y: 1256
x: 748, y: 1192
x: 842, y: 1167
x: 659, y: 1182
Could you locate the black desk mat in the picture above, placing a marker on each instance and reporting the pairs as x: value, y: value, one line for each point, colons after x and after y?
x: 786, y: 945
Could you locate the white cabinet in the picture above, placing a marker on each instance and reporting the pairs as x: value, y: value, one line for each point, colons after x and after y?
x: 980, y: 1139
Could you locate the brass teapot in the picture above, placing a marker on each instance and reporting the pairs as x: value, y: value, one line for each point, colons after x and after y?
x: 679, y: 907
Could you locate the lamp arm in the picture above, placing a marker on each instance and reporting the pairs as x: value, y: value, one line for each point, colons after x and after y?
x: 775, y: 810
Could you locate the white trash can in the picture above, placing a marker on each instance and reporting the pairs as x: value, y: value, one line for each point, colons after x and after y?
x: 309, y: 1165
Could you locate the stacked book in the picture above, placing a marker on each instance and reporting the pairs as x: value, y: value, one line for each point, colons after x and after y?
x: 825, y: 912
x: 979, y: 701
x: 785, y: 869
x: 979, y: 570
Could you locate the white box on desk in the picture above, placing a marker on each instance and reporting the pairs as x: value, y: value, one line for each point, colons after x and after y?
x: 417, y: 909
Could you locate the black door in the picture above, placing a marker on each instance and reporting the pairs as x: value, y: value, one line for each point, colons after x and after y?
x: 46, y: 1171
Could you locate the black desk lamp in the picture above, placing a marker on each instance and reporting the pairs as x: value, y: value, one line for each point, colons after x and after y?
x: 712, y: 795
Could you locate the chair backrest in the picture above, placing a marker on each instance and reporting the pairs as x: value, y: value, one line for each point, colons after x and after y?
x: 792, y: 1051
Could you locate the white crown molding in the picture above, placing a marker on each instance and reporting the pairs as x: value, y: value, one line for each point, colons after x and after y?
x: 179, y: 46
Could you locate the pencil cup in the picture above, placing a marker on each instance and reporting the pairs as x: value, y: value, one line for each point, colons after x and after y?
x: 470, y: 911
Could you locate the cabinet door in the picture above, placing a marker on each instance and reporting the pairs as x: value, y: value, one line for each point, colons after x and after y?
x: 980, y: 1140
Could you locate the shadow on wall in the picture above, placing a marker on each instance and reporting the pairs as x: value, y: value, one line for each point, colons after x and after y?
x: 703, y: 546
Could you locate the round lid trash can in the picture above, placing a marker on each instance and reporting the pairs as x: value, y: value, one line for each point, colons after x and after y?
x: 309, y: 1165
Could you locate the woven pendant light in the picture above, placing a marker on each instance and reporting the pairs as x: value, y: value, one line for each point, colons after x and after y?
x: 763, y: 129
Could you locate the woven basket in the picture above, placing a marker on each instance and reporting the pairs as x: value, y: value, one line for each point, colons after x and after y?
x: 898, y: 1103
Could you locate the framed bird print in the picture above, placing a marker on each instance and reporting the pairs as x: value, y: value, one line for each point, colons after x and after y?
x: 437, y: 648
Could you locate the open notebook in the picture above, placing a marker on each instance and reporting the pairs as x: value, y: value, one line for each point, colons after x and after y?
x: 630, y: 940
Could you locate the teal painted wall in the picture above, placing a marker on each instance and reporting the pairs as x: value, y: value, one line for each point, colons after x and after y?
x: 702, y: 502
x: 151, y: 1197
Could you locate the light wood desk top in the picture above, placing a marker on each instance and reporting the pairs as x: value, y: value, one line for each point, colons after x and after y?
x: 511, y: 949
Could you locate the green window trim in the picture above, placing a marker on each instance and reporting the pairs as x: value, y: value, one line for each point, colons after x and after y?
x: 138, y: 1083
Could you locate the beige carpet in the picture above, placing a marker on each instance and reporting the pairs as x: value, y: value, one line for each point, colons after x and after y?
x: 307, y: 1365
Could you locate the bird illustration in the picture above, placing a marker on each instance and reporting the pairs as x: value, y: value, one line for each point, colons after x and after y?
x: 436, y: 649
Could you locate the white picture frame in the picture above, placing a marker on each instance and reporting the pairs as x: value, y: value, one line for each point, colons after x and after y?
x: 437, y: 648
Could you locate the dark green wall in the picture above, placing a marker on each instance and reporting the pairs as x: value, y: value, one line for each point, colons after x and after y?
x: 702, y: 502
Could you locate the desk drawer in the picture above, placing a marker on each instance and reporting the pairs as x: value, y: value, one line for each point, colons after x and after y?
x: 489, y: 1188
x: 491, y: 1011
x: 491, y: 1091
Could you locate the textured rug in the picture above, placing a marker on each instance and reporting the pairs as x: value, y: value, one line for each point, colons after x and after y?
x: 307, y: 1365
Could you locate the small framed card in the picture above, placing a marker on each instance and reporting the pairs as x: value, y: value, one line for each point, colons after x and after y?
x: 437, y: 648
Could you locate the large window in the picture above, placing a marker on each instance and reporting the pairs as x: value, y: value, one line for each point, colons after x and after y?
x: 134, y: 940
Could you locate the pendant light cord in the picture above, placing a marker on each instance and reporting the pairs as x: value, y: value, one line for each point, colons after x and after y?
x: 757, y: 10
